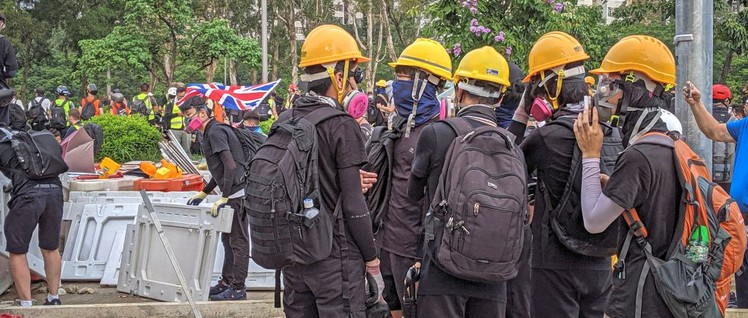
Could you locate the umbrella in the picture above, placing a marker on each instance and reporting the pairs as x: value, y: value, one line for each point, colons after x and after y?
x: 78, y: 152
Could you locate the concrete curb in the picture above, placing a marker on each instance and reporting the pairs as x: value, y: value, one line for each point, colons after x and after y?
x: 731, y: 313
x: 243, y: 309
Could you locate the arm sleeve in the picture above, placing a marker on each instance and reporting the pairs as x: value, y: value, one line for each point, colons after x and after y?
x: 229, y: 169
x: 598, y: 211
x: 518, y: 129
x: 355, y: 212
x: 421, y: 168
x: 530, y: 148
x: 210, y: 186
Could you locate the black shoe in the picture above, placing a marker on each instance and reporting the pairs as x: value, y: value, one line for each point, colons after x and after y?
x: 230, y: 294
x: 54, y: 302
x: 733, y: 301
x: 218, y: 288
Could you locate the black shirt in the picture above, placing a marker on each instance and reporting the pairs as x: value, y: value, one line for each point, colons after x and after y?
x: 12, y: 169
x: 549, y: 150
x: 8, y: 63
x: 401, y: 233
x: 217, y: 138
x: 431, y: 151
x: 645, y: 178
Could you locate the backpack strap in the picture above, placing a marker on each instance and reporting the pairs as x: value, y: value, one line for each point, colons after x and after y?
x: 323, y: 113
x: 460, y: 125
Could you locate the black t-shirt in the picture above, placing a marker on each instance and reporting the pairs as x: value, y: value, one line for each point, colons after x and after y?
x: 645, y: 178
x: 549, y: 150
x: 431, y: 151
x: 21, y: 183
x: 217, y: 138
x: 378, y: 118
x: 401, y: 233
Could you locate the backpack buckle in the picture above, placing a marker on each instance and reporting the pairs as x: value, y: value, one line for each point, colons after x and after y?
x: 293, y: 217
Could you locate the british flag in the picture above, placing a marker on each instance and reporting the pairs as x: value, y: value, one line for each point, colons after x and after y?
x: 231, y: 97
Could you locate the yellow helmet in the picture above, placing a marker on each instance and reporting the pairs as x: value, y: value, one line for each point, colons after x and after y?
x: 552, y: 50
x: 381, y: 83
x: 428, y: 55
x: 589, y: 80
x: 329, y: 43
x: 643, y: 54
x: 484, y: 64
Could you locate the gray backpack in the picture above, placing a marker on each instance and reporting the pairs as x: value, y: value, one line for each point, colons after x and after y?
x: 474, y: 228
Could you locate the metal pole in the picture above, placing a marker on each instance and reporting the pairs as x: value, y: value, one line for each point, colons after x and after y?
x: 264, y: 4
x: 694, y: 28
x: 225, y: 69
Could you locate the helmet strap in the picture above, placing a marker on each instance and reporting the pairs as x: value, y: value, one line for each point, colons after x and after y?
x: 416, y: 93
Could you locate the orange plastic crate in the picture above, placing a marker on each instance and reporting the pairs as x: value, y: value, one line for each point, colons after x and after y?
x: 189, y: 182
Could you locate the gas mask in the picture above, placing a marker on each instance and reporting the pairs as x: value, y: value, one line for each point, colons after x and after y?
x: 608, y: 99
x: 542, y: 108
x: 356, y: 103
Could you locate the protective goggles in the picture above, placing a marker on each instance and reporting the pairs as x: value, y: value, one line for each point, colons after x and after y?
x: 607, y: 99
x: 357, y: 75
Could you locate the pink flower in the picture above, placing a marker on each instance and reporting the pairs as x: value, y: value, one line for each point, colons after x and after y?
x: 500, y: 37
x: 474, y: 22
x: 559, y: 7
x: 457, y: 49
x: 508, y: 50
x: 473, y: 10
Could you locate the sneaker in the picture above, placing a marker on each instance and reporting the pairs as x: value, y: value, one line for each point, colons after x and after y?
x: 218, y: 288
x: 733, y: 301
x: 230, y: 294
x: 54, y: 302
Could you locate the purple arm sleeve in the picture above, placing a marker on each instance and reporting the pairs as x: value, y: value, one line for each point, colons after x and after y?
x: 598, y: 211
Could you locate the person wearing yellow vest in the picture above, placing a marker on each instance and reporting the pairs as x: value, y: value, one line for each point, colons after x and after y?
x: 145, y: 104
x: 62, y: 99
x: 74, y: 118
x: 173, y: 118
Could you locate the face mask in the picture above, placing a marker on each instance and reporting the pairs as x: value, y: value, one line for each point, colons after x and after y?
x: 195, y: 123
x: 427, y: 106
x: 606, y: 99
x: 356, y: 103
x: 541, y: 109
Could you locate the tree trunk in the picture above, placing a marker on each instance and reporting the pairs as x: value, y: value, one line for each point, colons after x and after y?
x: 386, y: 21
x: 254, y: 77
x: 370, y: 45
x: 109, y: 81
x: 168, y: 73
x: 232, y: 73
x: 210, y: 71
x: 274, y: 76
x: 726, y: 68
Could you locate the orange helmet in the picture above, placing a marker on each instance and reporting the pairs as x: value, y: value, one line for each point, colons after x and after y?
x: 642, y: 54
x: 329, y: 43
x: 552, y: 50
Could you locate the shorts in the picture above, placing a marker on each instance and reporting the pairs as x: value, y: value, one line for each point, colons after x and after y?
x: 41, y: 205
x: 394, y: 268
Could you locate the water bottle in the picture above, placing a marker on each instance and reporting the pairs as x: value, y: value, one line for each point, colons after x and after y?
x: 697, y: 249
x: 310, y: 213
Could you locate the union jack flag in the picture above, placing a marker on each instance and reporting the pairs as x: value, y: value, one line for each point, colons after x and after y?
x: 231, y: 97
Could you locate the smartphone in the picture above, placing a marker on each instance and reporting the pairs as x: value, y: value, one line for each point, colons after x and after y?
x: 688, y: 90
x: 588, y: 106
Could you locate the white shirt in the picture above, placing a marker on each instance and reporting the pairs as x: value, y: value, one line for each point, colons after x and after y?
x: 45, y: 103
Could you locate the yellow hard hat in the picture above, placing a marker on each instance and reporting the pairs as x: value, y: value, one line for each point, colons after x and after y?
x: 484, y: 64
x: 590, y: 80
x: 643, y: 54
x: 552, y: 50
x: 329, y: 43
x: 428, y: 55
x: 382, y: 83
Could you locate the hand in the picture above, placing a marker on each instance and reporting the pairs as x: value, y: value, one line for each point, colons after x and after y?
x: 603, y: 180
x: 521, y: 115
x: 218, y: 206
x: 368, y: 179
x: 386, y: 108
x: 589, y: 136
x: 530, y: 212
x: 372, y: 268
x: 694, y: 97
x: 197, y: 198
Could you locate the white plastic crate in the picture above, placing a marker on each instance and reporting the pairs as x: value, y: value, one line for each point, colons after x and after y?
x: 193, y: 233
x: 258, y: 278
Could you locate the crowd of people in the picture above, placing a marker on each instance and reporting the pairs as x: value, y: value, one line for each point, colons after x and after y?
x: 559, y: 192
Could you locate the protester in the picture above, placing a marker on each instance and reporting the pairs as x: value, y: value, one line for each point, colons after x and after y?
x: 39, y: 100
x: 379, y: 110
x: 74, y: 118
x: 590, y: 84
x: 174, y: 119
x: 732, y: 132
x: 722, y: 152
x: 223, y: 153
x: 423, y: 67
x: 480, y: 79
x: 574, y: 282
x: 637, y: 72
x: 293, y: 94
x: 118, y: 105
x: 38, y: 110
x: 90, y: 106
x: 34, y: 202
x: 8, y: 64
x: 144, y: 104
x: 512, y: 96
x: 58, y: 113
x: 334, y: 286
x: 251, y: 121
x: 738, y: 111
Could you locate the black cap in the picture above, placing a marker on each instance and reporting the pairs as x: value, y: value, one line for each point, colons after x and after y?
x: 39, y: 90
x: 515, y: 73
x: 194, y: 101
x: 252, y: 114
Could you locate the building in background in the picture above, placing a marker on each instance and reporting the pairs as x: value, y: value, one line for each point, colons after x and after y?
x: 609, y: 6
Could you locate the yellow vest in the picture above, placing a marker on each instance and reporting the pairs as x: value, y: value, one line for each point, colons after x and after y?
x: 176, y: 122
x: 65, y: 106
x: 147, y: 101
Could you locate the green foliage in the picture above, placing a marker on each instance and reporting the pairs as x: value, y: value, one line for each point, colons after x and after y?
x: 215, y: 39
x: 128, y: 138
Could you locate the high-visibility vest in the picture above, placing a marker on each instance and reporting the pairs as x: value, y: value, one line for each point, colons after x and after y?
x: 65, y: 104
x: 147, y: 101
x: 176, y: 122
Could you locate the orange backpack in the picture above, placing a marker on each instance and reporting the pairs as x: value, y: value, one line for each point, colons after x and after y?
x: 690, y: 289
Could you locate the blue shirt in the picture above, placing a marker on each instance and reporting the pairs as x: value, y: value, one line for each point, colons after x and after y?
x: 739, y: 189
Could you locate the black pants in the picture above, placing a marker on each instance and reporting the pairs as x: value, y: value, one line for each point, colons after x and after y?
x: 236, y: 248
x: 394, y: 268
x: 318, y: 291
x: 431, y: 306
x: 519, y: 289
x: 570, y: 293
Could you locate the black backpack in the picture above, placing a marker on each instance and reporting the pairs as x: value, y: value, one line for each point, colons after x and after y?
x: 380, y: 152
x: 36, y: 113
x: 565, y: 219
x: 17, y: 117
x: 251, y: 142
x: 97, y: 134
x: 88, y: 110
x: 139, y: 106
x: 263, y: 109
x: 474, y: 229
x: 283, y: 173
x: 38, y: 152
x: 58, y: 119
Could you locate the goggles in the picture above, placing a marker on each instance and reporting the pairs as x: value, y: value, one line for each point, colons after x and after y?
x: 357, y: 75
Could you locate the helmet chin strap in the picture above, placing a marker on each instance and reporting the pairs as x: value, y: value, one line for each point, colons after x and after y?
x: 339, y: 89
x: 638, y: 133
